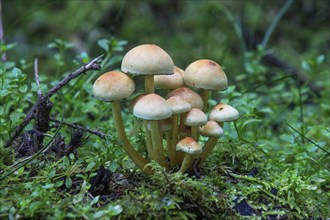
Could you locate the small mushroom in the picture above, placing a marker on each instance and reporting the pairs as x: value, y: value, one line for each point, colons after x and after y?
x: 213, y: 131
x: 112, y: 87
x: 170, y: 82
x: 178, y: 106
x: 223, y: 113
x: 191, y: 149
x: 153, y: 108
x: 195, y: 118
x: 206, y: 75
x: 147, y: 60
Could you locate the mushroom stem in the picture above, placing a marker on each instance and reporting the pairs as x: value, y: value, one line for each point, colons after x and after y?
x: 149, y: 84
x: 129, y: 149
x: 207, y: 149
x: 174, y: 140
x: 194, y: 132
x: 170, y: 147
x: 150, y: 149
x: 205, y: 97
x: 187, y: 161
x: 157, y: 143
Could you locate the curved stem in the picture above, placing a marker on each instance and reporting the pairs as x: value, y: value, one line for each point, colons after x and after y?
x: 194, y: 132
x: 157, y: 143
x: 187, y: 161
x: 205, y: 97
x: 149, y: 84
x: 129, y: 149
x: 150, y: 149
x: 175, y: 129
x: 207, y: 149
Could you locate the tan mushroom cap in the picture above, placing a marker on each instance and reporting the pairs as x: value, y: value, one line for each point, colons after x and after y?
x: 134, y: 101
x: 205, y: 74
x: 195, y: 117
x: 147, y: 59
x: 211, y: 129
x: 173, y: 81
x: 223, y: 112
x: 113, y: 86
x: 152, y: 107
x: 188, y: 95
x: 189, y: 146
x: 178, y: 105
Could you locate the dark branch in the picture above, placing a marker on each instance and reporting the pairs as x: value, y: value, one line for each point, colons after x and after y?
x: 100, y: 134
x: 92, y: 65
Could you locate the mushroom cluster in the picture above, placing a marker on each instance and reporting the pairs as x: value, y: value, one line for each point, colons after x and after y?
x: 172, y: 125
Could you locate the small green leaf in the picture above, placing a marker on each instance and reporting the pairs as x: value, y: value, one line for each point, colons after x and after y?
x: 90, y: 166
x: 68, y: 182
x: 103, y: 43
x: 95, y: 200
x: 15, y: 116
x: 23, y: 88
x: 320, y: 59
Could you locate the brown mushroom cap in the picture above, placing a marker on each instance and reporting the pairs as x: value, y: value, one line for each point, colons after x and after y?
x: 188, y: 95
x: 178, y: 105
x: 152, y: 107
x: 195, y: 117
x: 211, y: 129
x: 189, y: 146
x: 113, y: 86
x: 147, y: 59
x: 223, y: 112
x: 173, y: 81
x: 205, y: 74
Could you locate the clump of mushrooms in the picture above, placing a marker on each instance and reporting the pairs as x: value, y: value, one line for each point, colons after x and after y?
x: 182, y: 115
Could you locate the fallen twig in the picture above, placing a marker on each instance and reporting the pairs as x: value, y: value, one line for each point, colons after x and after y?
x: 100, y: 134
x: 92, y: 65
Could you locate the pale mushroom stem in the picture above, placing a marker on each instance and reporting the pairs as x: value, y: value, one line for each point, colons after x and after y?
x: 194, y: 132
x: 129, y: 149
x: 175, y: 130
x: 187, y: 161
x: 205, y: 96
x: 207, y: 149
x: 149, y: 84
x: 150, y: 149
x: 157, y: 143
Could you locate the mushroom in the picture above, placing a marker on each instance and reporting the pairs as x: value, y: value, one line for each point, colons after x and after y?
x: 153, y: 108
x: 213, y: 131
x: 170, y: 82
x: 178, y: 106
x: 223, y: 113
x: 206, y: 75
x: 189, y: 96
x: 112, y: 87
x: 191, y: 149
x: 147, y: 60
x: 147, y: 131
x: 165, y: 126
x: 195, y: 118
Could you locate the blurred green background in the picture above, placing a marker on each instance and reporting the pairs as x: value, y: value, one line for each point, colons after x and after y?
x: 187, y: 30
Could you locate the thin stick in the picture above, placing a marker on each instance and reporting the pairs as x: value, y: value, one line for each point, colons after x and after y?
x: 36, y: 76
x: 92, y: 65
x: 97, y: 133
